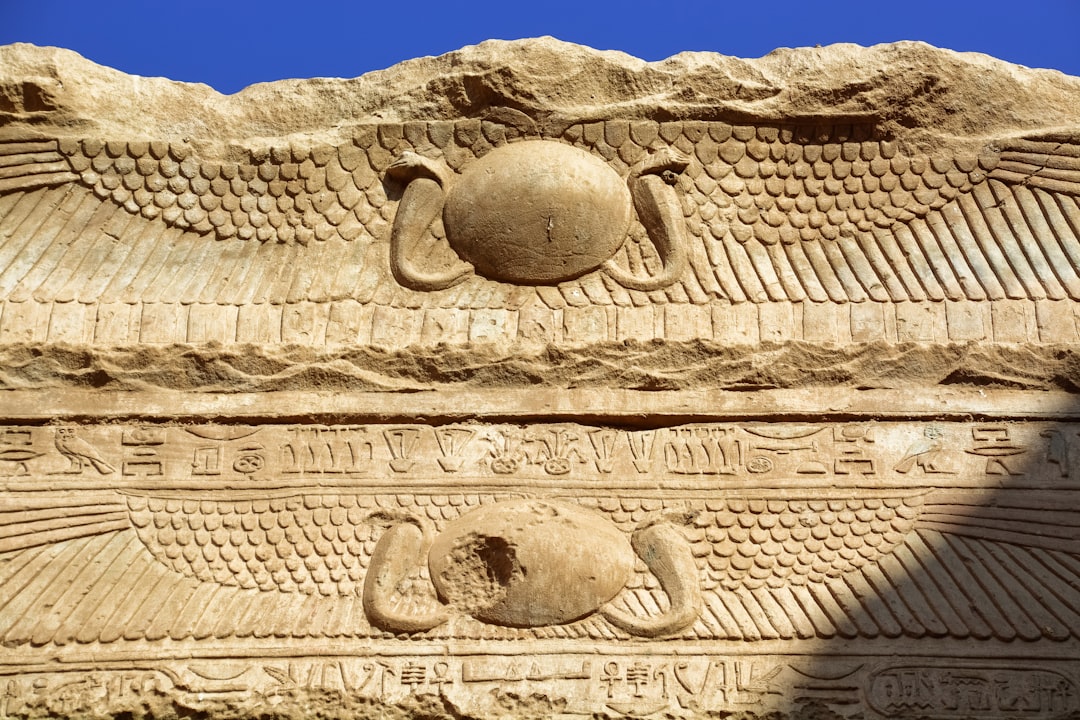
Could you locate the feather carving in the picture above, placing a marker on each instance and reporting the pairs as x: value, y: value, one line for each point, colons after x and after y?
x: 786, y: 561
x: 825, y: 213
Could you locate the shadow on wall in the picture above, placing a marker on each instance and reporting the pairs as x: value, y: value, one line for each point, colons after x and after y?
x: 976, y: 612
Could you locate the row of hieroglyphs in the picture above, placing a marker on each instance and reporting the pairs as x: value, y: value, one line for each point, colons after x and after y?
x: 615, y: 683
x: 756, y: 450
x: 571, y: 684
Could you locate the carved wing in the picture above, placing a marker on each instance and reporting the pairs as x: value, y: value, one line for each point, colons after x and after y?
x: 289, y: 544
x: 149, y: 566
x: 98, y: 221
x: 849, y: 218
x: 908, y: 564
x: 33, y: 523
x: 778, y: 543
x: 283, y: 195
x: 928, y: 564
x: 773, y: 212
x: 105, y: 221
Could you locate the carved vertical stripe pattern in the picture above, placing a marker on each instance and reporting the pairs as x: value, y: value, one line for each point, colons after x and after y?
x: 810, y: 224
x: 927, y: 569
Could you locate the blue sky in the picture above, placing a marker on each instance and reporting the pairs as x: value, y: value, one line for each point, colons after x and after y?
x: 232, y: 44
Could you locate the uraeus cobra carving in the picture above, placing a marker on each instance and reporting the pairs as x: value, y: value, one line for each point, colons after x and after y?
x: 537, y: 212
x: 530, y: 563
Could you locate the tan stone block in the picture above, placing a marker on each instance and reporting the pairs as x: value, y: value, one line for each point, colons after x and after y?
x: 163, y: 323
x: 1009, y: 319
x: 687, y: 322
x: 304, y: 323
x: 777, y: 321
x: 735, y: 324
x: 821, y: 321
x: 25, y: 321
x: 1056, y: 321
x: 395, y: 328
x: 888, y: 310
x: 918, y: 321
x: 348, y: 324
x: 867, y: 322
x: 586, y: 325
x: 71, y: 322
x: 635, y: 323
x: 967, y: 320
x: 117, y: 323
x: 211, y: 323
x: 259, y: 323
x: 444, y: 325
x: 492, y: 325
x: 538, y: 323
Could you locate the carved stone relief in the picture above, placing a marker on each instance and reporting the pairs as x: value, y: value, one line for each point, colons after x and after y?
x: 747, y: 532
x: 746, y: 233
x: 621, y: 410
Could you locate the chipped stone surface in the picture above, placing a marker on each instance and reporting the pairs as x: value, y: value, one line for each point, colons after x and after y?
x: 532, y: 380
x: 912, y: 84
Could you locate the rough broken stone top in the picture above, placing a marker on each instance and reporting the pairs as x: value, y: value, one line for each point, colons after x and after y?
x: 909, y: 83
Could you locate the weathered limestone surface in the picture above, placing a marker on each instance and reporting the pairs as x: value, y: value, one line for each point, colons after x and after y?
x: 535, y: 381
